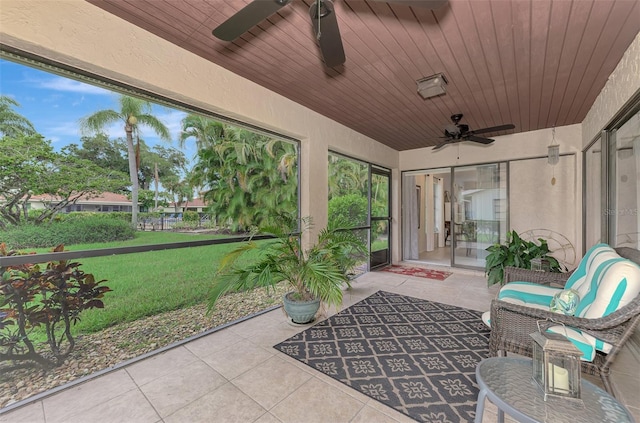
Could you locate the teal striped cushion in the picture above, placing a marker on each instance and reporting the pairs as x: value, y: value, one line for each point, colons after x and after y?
x: 585, y: 345
x: 528, y: 293
x: 593, y: 258
x: 615, y: 285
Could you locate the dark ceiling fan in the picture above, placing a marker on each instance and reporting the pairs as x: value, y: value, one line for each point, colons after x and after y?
x: 460, y: 132
x: 323, y: 19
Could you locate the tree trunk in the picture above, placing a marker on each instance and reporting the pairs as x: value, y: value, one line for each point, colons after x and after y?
x: 133, y: 174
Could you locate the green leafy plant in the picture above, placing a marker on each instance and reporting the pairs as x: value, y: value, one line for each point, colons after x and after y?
x: 51, y: 297
x: 315, y: 272
x: 516, y: 252
x: 74, y: 229
x: 190, y: 216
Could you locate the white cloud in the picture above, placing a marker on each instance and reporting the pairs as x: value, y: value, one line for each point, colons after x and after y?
x: 63, y: 84
x: 63, y: 130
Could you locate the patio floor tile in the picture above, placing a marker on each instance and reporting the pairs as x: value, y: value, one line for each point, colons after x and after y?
x: 84, y: 397
x: 238, y: 358
x: 132, y: 404
x: 271, y: 382
x: 317, y: 401
x: 159, y: 365
x: 226, y: 404
x: 32, y: 413
x: 216, y: 341
x: 369, y: 414
x: 173, y: 391
x: 267, y: 418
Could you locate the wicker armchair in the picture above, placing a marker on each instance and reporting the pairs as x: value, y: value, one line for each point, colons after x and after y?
x: 511, y: 324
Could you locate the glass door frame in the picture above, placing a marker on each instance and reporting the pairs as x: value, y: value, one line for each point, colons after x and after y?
x: 503, y: 225
x: 376, y: 170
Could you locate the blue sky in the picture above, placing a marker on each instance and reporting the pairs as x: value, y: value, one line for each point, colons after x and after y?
x: 55, y: 104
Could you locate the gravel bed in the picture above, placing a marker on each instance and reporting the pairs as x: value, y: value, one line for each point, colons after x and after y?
x: 119, y: 343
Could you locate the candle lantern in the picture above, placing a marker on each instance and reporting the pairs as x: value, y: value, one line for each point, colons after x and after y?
x: 556, y: 365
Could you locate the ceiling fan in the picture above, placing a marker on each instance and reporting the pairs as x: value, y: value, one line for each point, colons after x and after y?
x: 460, y: 132
x: 323, y: 19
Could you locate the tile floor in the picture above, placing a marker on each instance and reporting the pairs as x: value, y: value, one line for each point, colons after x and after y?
x: 234, y: 375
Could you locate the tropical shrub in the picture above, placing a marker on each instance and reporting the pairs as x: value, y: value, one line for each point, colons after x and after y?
x: 350, y: 208
x: 50, y: 296
x: 184, y: 225
x: 516, y: 252
x: 190, y: 216
x: 72, y: 230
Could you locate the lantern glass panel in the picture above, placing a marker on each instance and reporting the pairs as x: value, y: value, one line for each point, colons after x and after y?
x: 556, y: 365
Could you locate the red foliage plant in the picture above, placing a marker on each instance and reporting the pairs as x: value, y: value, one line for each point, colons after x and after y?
x: 50, y: 296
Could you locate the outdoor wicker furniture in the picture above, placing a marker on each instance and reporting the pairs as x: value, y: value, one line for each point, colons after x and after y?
x: 512, y: 323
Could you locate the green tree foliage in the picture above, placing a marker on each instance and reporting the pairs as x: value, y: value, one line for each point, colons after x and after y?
x: 351, y: 209
x: 29, y: 166
x: 133, y: 114
x: 13, y: 124
x: 103, y: 151
x: 190, y: 216
x: 347, y: 176
x: 248, y: 178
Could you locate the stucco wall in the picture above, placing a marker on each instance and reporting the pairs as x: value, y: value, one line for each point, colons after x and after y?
x: 81, y: 35
x: 622, y: 84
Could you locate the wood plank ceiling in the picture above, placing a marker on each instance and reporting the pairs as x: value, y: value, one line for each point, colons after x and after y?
x: 533, y: 63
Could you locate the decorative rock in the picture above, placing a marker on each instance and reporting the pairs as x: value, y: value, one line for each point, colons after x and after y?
x: 122, y: 342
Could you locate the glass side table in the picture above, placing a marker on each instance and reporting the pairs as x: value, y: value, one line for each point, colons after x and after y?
x: 507, y: 382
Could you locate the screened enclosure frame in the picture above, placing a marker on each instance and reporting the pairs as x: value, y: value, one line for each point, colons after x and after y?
x: 32, y: 60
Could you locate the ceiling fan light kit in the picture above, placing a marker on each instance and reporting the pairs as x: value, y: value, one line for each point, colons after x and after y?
x: 458, y: 132
x: 432, y: 86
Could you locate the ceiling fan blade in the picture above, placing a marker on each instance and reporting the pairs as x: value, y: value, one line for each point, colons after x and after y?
x: 481, y: 140
x: 325, y: 26
x: 247, y: 17
x: 442, y: 144
x: 493, y: 129
x: 429, y: 4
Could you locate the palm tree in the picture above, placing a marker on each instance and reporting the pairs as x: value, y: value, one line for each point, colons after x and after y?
x: 133, y: 113
x: 11, y: 123
x: 249, y: 177
x: 207, y: 132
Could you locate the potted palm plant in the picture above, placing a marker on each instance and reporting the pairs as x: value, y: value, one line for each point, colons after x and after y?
x: 315, y: 274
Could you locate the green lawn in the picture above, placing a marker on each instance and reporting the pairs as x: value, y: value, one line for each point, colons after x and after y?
x: 150, y: 283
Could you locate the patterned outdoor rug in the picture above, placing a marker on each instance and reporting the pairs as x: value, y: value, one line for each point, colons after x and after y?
x: 420, y: 272
x: 414, y: 355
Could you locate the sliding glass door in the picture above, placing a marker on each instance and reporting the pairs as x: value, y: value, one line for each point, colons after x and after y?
x: 478, y: 212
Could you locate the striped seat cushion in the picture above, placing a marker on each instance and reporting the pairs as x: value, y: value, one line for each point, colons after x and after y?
x: 614, y: 285
x: 579, y: 279
x: 528, y: 293
x: 580, y: 340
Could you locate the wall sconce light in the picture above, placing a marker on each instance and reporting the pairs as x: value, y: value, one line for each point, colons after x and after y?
x: 432, y: 86
x: 553, y: 154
